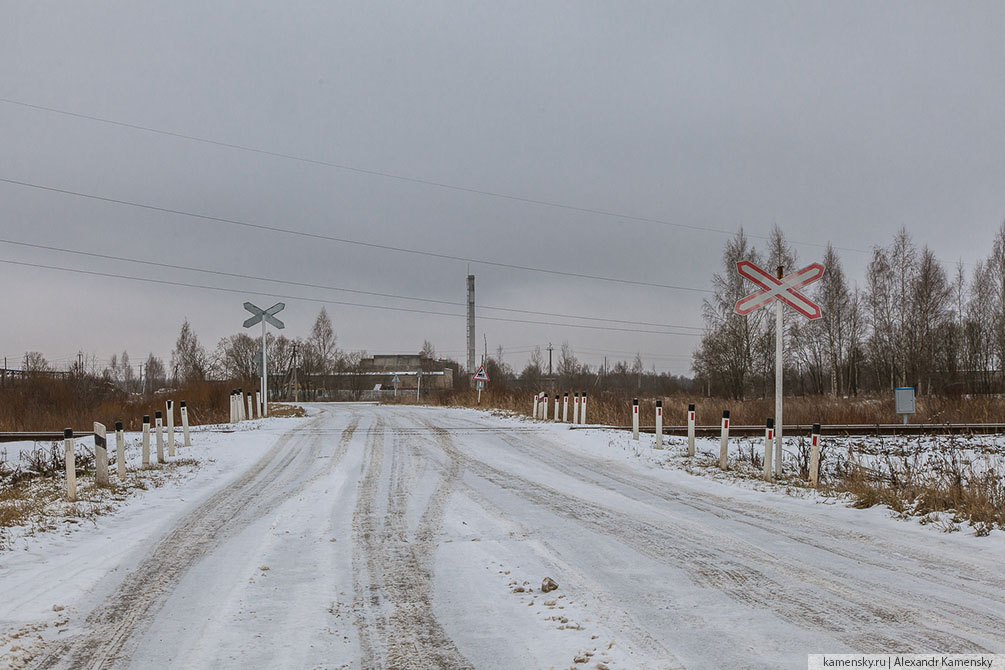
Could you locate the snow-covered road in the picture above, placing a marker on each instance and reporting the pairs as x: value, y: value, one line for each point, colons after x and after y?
x: 409, y: 537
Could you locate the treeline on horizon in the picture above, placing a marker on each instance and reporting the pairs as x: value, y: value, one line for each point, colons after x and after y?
x: 910, y: 322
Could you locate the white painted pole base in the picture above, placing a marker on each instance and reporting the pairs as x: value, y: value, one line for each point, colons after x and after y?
x: 815, y: 456
x: 635, y: 419
x: 184, y: 424
x: 100, y: 455
x: 769, y: 438
x: 71, y: 466
x: 690, y: 430
x: 724, y: 441
x: 146, y: 438
x: 120, y: 451
x: 159, y: 436
x: 659, y: 424
x: 169, y: 405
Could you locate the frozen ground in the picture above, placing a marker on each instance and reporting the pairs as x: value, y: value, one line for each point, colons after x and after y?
x: 401, y: 537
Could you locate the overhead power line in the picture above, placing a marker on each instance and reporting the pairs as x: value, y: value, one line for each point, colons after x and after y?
x: 342, y: 240
x: 398, y: 177
x: 331, y: 288
x: 334, y: 302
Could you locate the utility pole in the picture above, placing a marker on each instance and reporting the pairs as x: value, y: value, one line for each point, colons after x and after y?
x: 471, y: 323
x: 549, y: 358
x: 296, y: 385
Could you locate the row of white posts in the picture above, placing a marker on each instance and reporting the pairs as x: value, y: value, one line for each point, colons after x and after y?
x: 101, y: 473
x: 245, y: 406
x: 542, y: 406
x: 769, y: 436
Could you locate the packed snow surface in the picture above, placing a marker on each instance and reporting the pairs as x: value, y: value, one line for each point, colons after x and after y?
x: 400, y: 537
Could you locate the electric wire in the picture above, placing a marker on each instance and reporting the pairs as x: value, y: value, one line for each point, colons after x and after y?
x: 342, y: 240
x: 398, y: 177
x: 331, y: 288
x: 334, y: 302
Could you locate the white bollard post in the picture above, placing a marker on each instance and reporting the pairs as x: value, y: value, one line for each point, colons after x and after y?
x: 258, y: 404
x: 240, y: 405
x: 184, y: 423
x: 690, y: 429
x: 100, y: 455
x: 769, y: 437
x: 537, y: 399
x: 659, y: 424
x: 635, y: 419
x: 544, y: 408
x: 724, y: 441
x: 565, y: 408
x: 558, y: 402
x: 159, y: 435
x: 575, y: 409
x: 251, y: 406
x: 815, y: 456
x: 120, y: 450
x: 146, y: 440
x: 169, y: 406
x: 71, y: 465
x: 582, y: 411
x: 232, y: 406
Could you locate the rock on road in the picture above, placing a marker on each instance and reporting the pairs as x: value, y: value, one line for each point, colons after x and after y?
x: 407, y: 537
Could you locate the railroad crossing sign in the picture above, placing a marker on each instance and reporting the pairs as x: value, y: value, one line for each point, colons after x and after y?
x: 267, y: 314
x: 264, y: 316
x: 781, y: 291
x: 481, y: 375
x: 784, y: 290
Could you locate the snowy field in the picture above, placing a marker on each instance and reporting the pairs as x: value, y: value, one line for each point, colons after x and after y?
x: 406, y: 537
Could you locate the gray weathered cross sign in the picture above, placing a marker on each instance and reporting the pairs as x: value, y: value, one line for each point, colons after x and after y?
x: 267, y: 314
x: 264, y: 316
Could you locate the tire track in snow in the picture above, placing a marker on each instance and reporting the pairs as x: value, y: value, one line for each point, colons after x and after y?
x: 392, y: 568
x: 115, y: 625
x: 889, y: 608
x: 850, y: 614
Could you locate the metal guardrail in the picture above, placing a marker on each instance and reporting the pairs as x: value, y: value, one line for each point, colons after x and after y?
x: 41, y: 437
x: 836, y: 429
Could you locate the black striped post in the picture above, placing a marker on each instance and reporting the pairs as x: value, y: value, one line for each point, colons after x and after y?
x: 724, y: 441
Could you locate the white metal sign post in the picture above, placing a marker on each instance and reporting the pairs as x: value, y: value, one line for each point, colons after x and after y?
x: 395, y: 382
x: 779, y: 289
x: 265, y: 316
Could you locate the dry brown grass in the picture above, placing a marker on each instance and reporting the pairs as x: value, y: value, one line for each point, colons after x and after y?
x: 945, y: 484
x: 615, y: 410
x: 51, y: 404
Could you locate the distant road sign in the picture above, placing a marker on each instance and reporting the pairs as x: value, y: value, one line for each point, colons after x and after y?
x: 267, y: 314
x: 481, y: 375
x: 784, y: 289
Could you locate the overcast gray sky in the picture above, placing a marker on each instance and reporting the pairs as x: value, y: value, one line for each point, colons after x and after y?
x: 839, y: 121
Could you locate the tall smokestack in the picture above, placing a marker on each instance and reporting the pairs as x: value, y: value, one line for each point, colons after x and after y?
x: 471, y: 325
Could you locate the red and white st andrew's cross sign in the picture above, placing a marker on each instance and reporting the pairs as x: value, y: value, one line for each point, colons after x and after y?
x: 784, y: 289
